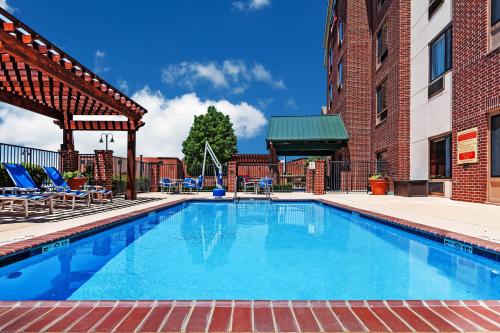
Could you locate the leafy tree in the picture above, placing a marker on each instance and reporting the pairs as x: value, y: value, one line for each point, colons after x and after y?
x: 215, y: 127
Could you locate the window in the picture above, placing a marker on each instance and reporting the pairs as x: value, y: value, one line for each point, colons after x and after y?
x: 331, y: 58
x: 341, y: 32
x: 382, y: 162
x: 495, y: 146
x: 434, y: 5
x: 380, y: 3
x: 495, y: 12
x: 440, y: 158
x: 495, y: 24
x: 382, y: 43
x: 440, y: 55
x: 382, y: 102
x: 340, y: 79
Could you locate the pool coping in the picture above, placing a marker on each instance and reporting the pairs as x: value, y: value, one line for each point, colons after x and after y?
x: 13, y: 252
x: 250, y: 316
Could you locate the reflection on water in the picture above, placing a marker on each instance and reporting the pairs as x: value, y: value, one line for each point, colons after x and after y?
x: 252, y: 250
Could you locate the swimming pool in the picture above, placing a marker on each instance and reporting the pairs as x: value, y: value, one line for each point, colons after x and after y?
x: 252, y: 250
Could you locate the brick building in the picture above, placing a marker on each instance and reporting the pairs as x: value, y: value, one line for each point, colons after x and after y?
x: 418, y: 89
x: 367, y: 57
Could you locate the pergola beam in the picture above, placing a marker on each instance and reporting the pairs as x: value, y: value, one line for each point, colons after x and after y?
x: 21, y: 52
x: 114, y: 125
x: 28, y: 104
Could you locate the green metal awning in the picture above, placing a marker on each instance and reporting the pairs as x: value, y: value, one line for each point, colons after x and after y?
x: 306, y: 135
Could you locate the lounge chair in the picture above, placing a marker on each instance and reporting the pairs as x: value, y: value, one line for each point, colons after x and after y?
x: 25, y: 184
x: 266, y: 184
x: 60, y: 185
x: 166, y: 183
x: 27, y: 200
x: 193, y: 184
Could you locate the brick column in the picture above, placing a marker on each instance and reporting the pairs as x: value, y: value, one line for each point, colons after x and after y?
x: 103, y: 171
x: 309, y: 180
x: 231, y: 176
x: 319, y: 178
x: 69, y: 160
x: 155, y: 177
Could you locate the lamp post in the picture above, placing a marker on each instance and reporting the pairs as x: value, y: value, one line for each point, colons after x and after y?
x: 107, y: 136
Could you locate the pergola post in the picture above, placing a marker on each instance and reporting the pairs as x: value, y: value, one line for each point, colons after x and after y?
x: 131, y: 144
x: 69, y: 157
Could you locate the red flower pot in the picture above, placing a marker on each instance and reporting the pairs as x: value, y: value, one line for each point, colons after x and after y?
x: 76, y: 183
x: 379, y: 186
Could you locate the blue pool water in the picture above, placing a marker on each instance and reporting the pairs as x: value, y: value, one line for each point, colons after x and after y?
x: 252, y: 250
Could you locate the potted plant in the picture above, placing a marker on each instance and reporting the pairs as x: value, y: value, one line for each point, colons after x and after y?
x: 379, y: 184
x: 74, y: 179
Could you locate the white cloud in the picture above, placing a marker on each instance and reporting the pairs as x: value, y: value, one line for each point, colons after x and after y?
x: 99, y: 66
x: 230, y: 74
x: 262, y: 74
x: 251, y: 4
x: 123, y: 85
x: 291, y: 104
x: 258, y: 4
x: 167, y: 125
x: 6, y: 6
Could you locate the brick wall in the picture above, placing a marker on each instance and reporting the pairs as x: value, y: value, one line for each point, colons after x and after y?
x: 476, y: 82
x: 392, y: 134
x: 103, y: 171
x: 231, y: 176
x: 309, y: 180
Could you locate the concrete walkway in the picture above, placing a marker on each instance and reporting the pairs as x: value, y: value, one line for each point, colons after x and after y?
x: 477, y: 220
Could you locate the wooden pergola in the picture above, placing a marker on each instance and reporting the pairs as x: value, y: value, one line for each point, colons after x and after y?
x: 38, y: 76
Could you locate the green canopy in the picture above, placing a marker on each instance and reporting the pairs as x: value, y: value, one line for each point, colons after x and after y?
x: 306, y: 135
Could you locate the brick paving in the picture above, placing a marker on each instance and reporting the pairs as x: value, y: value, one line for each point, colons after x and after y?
x: 250, y: 316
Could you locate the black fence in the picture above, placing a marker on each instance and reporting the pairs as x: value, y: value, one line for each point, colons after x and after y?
x: 351, y: 176
x: 143, y: 173
x: 289, y: 179
x: 19, y: 154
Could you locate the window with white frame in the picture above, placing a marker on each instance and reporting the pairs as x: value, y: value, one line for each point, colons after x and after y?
x: 341, y: 32
x: 382, y: 43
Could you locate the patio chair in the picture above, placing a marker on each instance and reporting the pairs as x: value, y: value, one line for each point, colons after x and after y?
x: 26, y: 200
x: 266, y: 184
x: 166, y: 183
x: 193, y: 184
x: 25, y: 184
x: 60, y: 185
x: 247, y: 184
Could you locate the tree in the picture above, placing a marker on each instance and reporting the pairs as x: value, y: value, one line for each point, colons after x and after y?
x: 215, y: 127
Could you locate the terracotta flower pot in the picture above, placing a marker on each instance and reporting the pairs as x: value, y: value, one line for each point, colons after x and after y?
x: 379, y: 186
x: 76, y: 183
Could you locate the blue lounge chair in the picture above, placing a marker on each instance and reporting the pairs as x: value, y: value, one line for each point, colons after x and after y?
x: 266, y: 184
x: 60, y: 185
x: 25, y: 184
x: 193, y: 184
x: 26, y: 200
x: 166, y: 183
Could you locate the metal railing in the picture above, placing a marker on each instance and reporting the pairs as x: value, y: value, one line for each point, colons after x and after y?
x: 180, y: 171
x: 20, y: 154
x: 351, y: 176
x: 143, y: 173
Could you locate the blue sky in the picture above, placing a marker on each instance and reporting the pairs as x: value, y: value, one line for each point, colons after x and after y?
x: 254, y: 58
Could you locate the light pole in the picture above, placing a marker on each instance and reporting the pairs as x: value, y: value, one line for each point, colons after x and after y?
x: 107, y: 135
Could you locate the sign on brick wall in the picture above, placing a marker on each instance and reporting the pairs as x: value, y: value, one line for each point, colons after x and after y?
x: 467, y: 146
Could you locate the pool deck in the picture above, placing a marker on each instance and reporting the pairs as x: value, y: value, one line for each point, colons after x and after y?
x: 471, y: 222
